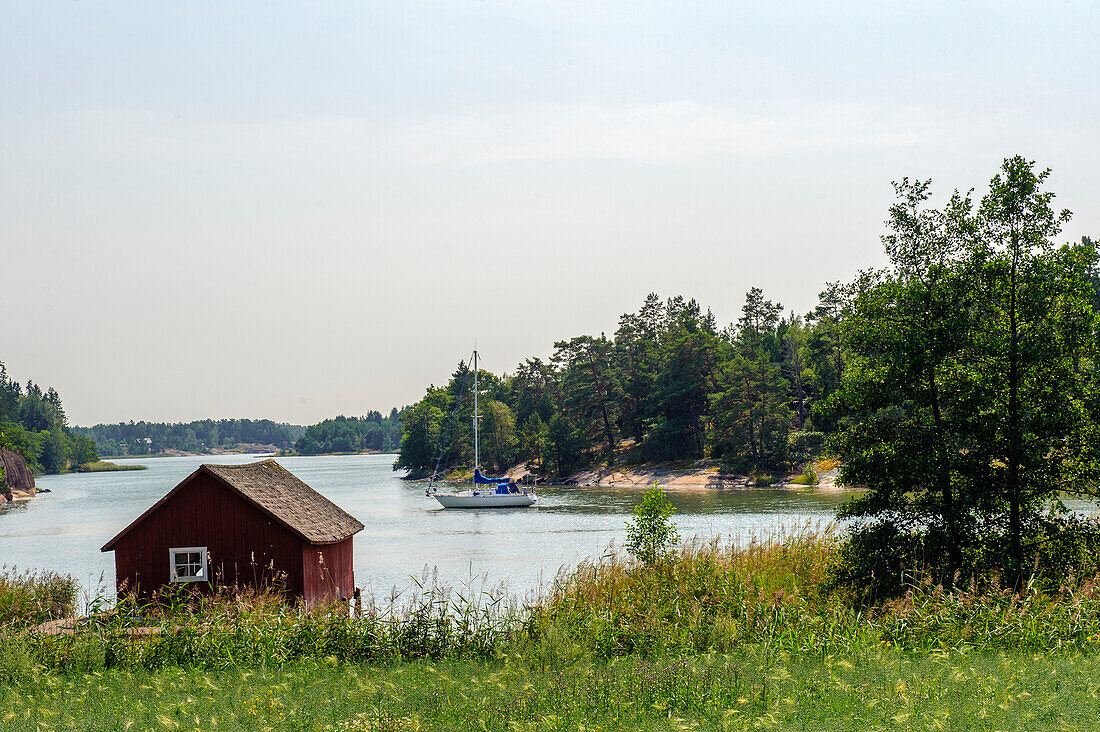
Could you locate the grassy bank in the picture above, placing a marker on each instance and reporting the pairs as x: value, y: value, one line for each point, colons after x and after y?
x: 103, y: 466
x: 723, y: 636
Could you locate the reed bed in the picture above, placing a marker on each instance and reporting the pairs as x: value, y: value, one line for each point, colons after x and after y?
x: 248, y: 629
x: 709, y: 597
x: 32, y: 597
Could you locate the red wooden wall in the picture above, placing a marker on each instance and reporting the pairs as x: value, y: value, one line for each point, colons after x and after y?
x: 245, y: 546
x: 327, y: 571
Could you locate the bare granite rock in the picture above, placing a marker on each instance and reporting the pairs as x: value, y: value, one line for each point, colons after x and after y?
x: 17, y: 475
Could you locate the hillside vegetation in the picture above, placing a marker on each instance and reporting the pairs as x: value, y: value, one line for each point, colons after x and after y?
x: 33, y: 424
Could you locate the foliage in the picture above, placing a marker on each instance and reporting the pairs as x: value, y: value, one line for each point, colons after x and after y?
x: 969, y: 401
x: 808, y: 476
x: 651, y: 535
x: 730, y: 636
x: 102, y: 466
x: 201, y: 436
x: 874, y: 687
x: 352, y: 434
x: 669, y: 386
x: 33, y: 424
x: 498, y: 436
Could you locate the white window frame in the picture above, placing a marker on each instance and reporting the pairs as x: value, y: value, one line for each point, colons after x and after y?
x: 173, y: 564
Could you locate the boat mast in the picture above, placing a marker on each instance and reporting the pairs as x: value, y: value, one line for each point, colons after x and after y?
x: 477, y: 445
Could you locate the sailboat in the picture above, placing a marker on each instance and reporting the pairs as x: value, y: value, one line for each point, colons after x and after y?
x: 486, y: 492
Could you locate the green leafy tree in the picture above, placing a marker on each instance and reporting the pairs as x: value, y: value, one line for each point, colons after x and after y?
x: 637, y: 359
x: 651, y: 535
x: 750, y: 409
x: 590, y: 391
x: 970, y: 401
x: 678, y: 402
x: 904, y: 399
x: 751, y: 416
x: 54, y: 454
x: 534, y: 441
x: 422, y: 440
x: 567, y: 444
x: 1036, y: 354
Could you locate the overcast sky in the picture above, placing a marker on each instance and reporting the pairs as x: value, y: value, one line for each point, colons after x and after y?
x: 294, y: 210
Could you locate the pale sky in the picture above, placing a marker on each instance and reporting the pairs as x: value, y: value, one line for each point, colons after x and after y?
x: 292, y: 210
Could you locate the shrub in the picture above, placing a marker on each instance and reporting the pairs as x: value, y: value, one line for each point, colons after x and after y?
x: 808, y: 477
x: 651, y: 535
x: 879, y: 559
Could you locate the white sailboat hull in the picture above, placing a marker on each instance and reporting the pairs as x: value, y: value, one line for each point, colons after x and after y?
x: 485, y: 499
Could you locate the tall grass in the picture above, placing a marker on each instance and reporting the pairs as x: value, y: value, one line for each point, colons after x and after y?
x: 873, y: 689
x: 29, y: 597
x: 245, y: 628
x: 710, y: 597
x: 769, y: 597
x: 780, y: 594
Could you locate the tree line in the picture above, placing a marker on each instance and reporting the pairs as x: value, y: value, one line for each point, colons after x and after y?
x: 352, y: 434
x: 668, y: 385
x: 200, y: 436
x: 33, y: 424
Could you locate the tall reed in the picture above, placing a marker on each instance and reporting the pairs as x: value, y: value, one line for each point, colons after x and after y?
x: 32, y: 597
x: 771, y: 597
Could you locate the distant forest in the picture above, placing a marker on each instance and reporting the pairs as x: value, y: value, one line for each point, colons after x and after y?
x: 200, y: 436
x: 340, y: 434
x: 353, y: 434
x: 33, y: 424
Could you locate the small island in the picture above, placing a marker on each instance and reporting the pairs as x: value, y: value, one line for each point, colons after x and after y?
x: 103, y: 466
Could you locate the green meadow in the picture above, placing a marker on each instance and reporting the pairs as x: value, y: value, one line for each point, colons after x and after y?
x: 872, y: 688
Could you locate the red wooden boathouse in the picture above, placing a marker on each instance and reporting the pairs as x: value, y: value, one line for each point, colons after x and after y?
x: 240, y: 525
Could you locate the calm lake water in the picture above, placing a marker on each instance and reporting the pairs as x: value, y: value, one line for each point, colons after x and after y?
x: 407, y: 535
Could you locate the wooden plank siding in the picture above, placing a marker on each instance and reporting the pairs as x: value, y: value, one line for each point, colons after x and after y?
x: 327, y: 571
x: 244, y: 545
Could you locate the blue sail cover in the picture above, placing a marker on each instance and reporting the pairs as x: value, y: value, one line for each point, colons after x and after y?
x: 480, y: 479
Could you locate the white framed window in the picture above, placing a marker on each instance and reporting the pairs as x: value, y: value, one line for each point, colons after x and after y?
x: 187, y: 564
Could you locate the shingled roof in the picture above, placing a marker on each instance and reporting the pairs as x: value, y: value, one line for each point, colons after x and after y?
x: 290, y: 501
x: 280, y: 494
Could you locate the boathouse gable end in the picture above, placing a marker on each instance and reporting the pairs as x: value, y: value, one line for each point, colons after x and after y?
x: 250, y: 539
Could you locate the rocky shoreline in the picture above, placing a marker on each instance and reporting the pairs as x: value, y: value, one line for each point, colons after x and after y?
x: 703, y: 475
x: 16, y: 479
